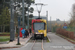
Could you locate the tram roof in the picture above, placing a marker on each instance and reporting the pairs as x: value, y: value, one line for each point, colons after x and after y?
x: 42, y: 17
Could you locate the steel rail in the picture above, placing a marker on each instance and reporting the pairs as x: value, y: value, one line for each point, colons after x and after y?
x: 42, y: 45
x: 34, y: 44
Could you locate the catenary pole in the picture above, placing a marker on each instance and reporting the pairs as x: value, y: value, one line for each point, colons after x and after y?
x: 47, y: 19
x: 12, y: 31
x: 23, y: 13
x: 18, y: 29
x: 50, y: 23
x: 28, y: 17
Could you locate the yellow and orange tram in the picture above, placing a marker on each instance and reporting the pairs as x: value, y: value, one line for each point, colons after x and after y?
x: 39, y: 28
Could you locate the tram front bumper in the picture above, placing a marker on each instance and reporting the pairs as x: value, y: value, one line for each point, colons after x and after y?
x: 39, y: 35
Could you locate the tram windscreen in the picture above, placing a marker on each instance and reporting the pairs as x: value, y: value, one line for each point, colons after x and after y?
x: 38, y: 26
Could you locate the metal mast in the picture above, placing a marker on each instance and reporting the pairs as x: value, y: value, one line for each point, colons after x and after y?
x: 12, y: 31
x: 23, y: 13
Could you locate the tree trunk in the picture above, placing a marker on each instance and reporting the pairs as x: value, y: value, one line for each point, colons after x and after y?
x: 0, y: 28
x: 3, y: 28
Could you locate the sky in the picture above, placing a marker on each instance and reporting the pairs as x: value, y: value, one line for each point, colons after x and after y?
x: 57, y: 9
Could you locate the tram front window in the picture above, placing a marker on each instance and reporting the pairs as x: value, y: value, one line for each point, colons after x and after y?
x: 38, y: 26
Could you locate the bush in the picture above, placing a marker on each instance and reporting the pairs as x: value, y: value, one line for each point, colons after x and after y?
x: 65, y: 33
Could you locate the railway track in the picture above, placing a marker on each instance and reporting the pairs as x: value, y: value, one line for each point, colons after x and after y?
x: 38, y: 46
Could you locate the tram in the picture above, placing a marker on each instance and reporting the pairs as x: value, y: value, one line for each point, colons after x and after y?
x: 39, y: 28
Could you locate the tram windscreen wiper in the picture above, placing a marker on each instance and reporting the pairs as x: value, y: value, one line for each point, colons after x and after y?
x: 41, y: 28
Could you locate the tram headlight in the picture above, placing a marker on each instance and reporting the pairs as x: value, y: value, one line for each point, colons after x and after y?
x: 36, y: 33
x: 41, y: 33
